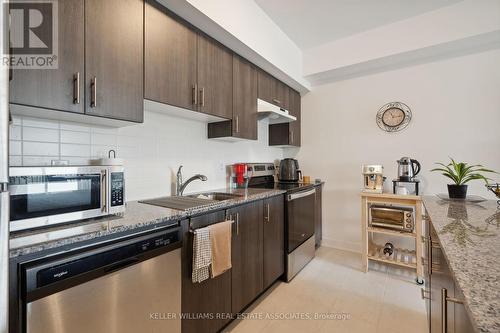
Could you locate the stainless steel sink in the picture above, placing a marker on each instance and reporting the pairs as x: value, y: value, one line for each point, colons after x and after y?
x: 190, y: 201
x: 214, y: 196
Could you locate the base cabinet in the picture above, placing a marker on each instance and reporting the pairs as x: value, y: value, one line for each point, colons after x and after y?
x: 246, y: 254
x: 444, y: 300
x: 211, y: 297
x: 318, y: 216
x: 274, y: 239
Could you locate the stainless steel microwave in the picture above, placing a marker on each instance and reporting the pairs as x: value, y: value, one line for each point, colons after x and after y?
x: 45, y: 196
x: 401, y: 218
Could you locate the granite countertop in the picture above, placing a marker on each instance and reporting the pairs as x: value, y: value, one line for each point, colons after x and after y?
x: 138, y: 217
x: 469, y: 234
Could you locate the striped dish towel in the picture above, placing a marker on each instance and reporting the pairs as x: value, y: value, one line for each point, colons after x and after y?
x: 202, y: 255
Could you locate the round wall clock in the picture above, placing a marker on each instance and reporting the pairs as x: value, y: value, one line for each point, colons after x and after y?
x: 394, y: 117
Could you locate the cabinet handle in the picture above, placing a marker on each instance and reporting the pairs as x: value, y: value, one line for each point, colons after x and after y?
x: 444, y: 308
x: 423, y: 293
x: 237, y: 223
x: 202, y: 96
x: 277, y: 101
x: 237, y: 121
x: 76, y: 88
x: 268, y: 217
x: 195, y: 94
x: 93, y: 92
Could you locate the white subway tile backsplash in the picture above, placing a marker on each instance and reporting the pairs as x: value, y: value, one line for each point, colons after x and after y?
x: 105, y: 130
x: 15, y: 160
x: 100, y: 151
x: 75, y: 127
x: 15, y: 132
x: 35, y: 122
x: 103, y: 139
x: 40, y: 148
x: 16, y: 120
x: 75, y: 150
x: 40, y: 134
x: 15, y: 148
x: 76, y: 160
x: 75, y: 137
x: 38, y: 160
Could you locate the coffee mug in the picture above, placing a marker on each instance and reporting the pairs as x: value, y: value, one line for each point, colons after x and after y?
x: 306, y: 179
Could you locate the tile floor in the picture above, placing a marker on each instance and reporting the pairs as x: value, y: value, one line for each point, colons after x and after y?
x: 386, y: 299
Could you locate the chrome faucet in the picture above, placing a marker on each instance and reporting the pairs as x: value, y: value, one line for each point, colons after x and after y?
x: 182, y: 186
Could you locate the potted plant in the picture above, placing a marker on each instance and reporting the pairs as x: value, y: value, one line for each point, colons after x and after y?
x: 461, y: 173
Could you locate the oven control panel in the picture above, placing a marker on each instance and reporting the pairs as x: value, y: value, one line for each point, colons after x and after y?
x: 117, y: 189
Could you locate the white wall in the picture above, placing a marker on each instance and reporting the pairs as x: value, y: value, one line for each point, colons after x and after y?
x: 152, y: 151
x: 456, y: 112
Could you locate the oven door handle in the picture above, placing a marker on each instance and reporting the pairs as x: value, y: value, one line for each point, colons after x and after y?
x: 302, y: 194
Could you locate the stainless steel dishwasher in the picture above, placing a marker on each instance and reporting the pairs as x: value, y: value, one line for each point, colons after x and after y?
x: 130, y: 286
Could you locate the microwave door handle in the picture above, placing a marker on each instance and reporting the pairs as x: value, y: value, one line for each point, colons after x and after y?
x: 104, y: 191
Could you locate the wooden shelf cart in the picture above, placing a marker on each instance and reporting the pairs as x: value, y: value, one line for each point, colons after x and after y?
x: 400, y: 257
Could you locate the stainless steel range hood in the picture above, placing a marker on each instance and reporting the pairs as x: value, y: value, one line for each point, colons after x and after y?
x: 275, y: 114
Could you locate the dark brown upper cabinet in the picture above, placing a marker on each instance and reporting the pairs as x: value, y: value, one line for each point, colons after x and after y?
x: 58, y: 89
x: 114, y: 58
x: 184, y: 67
x: 288, y: 134
x: 100, y: 69
x: 272, y: 90
x: 215, y: 78
x: 170, y: 59
x: 274, y: 252
x: 246, y: 254
x: 244, y: 122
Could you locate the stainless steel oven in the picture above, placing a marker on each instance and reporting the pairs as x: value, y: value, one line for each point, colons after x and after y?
x: 44, y: 196
x: 401, y: 218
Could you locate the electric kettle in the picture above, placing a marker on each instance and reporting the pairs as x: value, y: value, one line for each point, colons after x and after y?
x: 289, y: 170
x: 407, y: 169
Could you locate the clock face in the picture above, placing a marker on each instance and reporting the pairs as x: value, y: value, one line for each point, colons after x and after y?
x: 394, y: 117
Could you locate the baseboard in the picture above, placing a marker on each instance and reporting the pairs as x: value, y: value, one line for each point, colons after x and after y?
x: 341, y: 245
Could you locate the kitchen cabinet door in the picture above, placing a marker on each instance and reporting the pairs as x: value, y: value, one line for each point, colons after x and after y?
x: 288, y: 134
x: 244, y: 123
x: 215, y: 78
x: 295, y: 110
x: 114, y: 47
x: 212, y: 296
x: 281, y: 94
x: 441, y: 277
x: 266, y: 87
x: 318, y: 216
x: 247, y: 254
x: 57, y: 89
x: 170, y: 58
x: 274, y: 242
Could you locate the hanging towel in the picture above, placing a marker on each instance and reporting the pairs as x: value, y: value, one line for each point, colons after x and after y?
x: 202, y: 255
x: 220, y: 239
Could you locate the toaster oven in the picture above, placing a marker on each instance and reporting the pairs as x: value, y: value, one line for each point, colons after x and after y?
x: 46, y: 196
x: 400, y: 218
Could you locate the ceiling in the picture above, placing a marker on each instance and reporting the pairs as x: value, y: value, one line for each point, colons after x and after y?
x: 310, y: 23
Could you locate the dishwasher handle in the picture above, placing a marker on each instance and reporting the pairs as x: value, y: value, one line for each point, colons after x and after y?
x: 301, y: 194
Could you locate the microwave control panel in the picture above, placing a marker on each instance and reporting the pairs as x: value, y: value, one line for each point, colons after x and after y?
x: 117, y: 188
